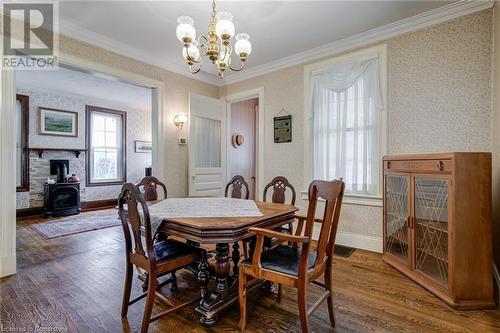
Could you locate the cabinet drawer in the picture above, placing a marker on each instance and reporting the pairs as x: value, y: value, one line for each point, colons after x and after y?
x: 439, y: 166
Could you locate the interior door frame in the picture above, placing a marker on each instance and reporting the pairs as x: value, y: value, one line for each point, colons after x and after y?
x: 7, y: 148
x: 259, y: 135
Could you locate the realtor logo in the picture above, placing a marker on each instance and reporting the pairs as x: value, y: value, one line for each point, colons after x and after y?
x: 30, y: 35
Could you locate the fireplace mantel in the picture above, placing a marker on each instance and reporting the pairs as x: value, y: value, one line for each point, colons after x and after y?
x: 40, y: 151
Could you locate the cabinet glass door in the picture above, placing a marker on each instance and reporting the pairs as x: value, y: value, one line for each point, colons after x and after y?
x: 397, y: 211
x: 431, y: 228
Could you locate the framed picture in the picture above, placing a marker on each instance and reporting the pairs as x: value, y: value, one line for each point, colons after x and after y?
x: 58, y: 122
x: 283, y: 129
x: 143, y: 147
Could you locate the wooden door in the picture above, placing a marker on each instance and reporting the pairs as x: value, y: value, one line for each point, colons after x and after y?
x: 431, y: 226
x: 207, y: 147
x: 241, y: 156
x: 397, y: 217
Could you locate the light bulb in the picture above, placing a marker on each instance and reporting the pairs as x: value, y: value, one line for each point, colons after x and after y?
x: 185, y: 29
x: 224, y: 27
x: 182, y: 117
x: 192, y: 50
x: 242, y: 45
x: 223, y: 57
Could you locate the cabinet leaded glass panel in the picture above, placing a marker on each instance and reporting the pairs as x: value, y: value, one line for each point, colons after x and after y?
x: 397, y: 212
x: 431, y: 228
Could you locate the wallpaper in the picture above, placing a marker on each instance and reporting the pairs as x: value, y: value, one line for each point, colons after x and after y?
x: 439, y: 99
x: 138, y: 128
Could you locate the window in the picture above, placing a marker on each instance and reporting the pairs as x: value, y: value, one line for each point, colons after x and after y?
x: 106, y: 144
x: 22, y: 154
x: 347, y: 120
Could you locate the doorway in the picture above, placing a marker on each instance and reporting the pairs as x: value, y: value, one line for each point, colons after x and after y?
x: 8, y: 146
x: 242, y: 159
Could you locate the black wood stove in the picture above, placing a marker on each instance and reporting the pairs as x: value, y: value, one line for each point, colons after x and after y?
x: 61, y: 198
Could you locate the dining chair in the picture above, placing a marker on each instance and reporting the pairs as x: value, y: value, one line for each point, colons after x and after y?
x: 150, y: 188
x: 237, y: 183
x: 157, y: 259
x: 279, y: 186
x: 298, y: 266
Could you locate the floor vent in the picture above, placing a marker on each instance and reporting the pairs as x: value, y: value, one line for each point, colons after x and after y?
x: 343, y: 251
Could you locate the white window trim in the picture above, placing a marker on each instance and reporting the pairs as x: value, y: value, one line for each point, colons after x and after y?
x: 309, y: 70
x: 353, y: 199
x: 119, y: 136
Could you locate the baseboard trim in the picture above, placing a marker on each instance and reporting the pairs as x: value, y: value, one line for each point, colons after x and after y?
x: 28, y: 212
x: 369, y: 243
x: 7, y: 265
x: 86, y: 206
x: 98, y: 204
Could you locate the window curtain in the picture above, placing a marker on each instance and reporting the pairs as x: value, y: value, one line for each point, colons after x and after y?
x: 346, y: 106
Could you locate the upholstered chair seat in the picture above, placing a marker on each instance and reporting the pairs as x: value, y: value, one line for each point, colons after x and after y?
x: 171, y: 249
x: 283, y: 259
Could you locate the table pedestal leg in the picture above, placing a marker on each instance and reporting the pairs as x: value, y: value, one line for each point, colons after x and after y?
x: 203, y: 277
x: 236, y: 259
x: 222, y: 269
x: 212, y: 303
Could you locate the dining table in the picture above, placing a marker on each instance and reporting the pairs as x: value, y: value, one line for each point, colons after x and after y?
x: 202, y: 226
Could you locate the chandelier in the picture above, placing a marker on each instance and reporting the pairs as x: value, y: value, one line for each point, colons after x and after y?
x: 216, y: 45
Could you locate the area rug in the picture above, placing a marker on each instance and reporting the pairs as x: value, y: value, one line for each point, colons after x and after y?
x: 76, y: 224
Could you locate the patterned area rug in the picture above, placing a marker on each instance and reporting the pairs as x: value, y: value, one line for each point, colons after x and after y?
x: 76, y: 224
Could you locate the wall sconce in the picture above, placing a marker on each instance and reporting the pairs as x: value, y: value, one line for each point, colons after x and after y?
x: 180, y: 120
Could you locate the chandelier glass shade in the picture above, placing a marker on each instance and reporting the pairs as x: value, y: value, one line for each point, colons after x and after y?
x: 216, y: 45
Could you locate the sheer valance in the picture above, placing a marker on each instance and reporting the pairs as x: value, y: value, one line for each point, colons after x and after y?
x: 346, y: 102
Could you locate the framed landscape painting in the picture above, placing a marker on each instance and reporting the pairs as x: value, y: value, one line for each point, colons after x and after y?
x: 143, y: 147
x: 58, y: 122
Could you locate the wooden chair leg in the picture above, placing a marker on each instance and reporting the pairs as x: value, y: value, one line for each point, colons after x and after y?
x: 173, y: 286
x: 329, y: 287
x: 150, y: 298
x: 280, y: 291
x: 127, y: 288
x: 302, y: 298
x: 242, y: 294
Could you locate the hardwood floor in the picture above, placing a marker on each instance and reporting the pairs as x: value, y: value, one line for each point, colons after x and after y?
x: 74, y: 284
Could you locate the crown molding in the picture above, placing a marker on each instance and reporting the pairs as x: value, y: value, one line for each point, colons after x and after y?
x: 23, y: 87
x: 423, y: 20
x: 69, y: 30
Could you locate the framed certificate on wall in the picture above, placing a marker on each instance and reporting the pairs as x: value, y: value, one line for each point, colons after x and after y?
x: 283, y: 129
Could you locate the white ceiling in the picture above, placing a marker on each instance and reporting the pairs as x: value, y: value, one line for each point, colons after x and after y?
x: 86, y: 84
x: 146, y: 29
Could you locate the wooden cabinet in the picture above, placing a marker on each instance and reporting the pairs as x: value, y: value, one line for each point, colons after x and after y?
x: 437, y: 224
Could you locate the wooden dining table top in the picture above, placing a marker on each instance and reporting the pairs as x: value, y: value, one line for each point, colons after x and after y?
x: 226, y: 229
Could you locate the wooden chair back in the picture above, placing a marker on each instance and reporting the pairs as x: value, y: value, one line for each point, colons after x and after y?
x: 150, y: 185
x: 280, y: 185
x: 332, y: 192
x: 129, y: 201
x: 237, y: 184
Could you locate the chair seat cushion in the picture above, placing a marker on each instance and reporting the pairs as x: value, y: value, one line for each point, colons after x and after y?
x: 171, y: 249
x: 284, y: 259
